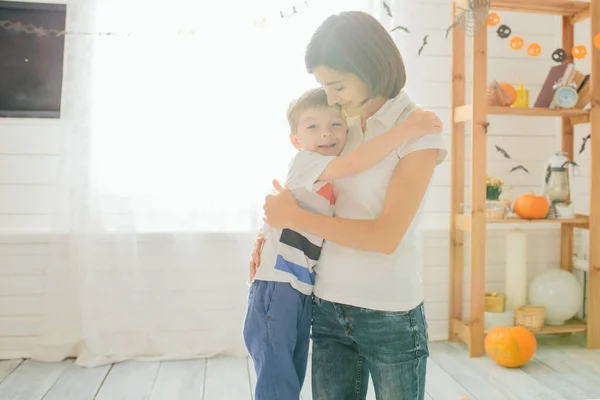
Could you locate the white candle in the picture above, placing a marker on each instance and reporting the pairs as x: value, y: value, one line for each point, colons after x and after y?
x: 516, y: 269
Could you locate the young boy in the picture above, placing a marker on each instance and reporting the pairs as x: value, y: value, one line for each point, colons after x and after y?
x: 277, y: 324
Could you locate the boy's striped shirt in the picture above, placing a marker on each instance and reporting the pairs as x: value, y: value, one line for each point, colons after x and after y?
x: 288, y: 255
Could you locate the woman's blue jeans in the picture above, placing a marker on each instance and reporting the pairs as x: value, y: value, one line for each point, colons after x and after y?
x: 351, y: 342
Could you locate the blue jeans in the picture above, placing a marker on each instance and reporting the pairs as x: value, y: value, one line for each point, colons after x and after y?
x: 351, y: 342
x: 277, y: 335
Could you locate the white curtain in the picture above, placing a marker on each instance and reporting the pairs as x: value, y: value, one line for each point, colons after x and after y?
x: 174, y: 118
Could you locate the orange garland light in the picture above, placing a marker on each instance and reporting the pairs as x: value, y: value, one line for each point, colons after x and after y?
x: 534, y: 49
x: 516, y: 43
x: 493, y: 19
x: 579, y: 52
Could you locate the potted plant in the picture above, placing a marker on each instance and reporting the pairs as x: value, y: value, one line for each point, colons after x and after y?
x: 495, y: 207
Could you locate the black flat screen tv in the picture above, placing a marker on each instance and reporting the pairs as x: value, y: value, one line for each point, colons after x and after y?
x: 31, y: 65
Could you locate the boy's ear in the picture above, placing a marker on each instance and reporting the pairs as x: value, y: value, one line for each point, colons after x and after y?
x: 294, y: 141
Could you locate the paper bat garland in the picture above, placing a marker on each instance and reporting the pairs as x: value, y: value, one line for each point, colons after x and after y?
x: 584, y: 142
x: 387, y: 9
x: 400, y: 27
x: 450, y: 28
x: 502, y: 151
x: 519, y: 167
x: 424, y: 44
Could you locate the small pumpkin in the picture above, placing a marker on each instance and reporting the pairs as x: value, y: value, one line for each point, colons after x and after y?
x: 597, y: 41
x: 516, y: 43
x: 579, y: 52
x: 493, y: 19
x: 530, y: 206
x: 510, y: 346
x: 501, y: 94
x: 534, y: 49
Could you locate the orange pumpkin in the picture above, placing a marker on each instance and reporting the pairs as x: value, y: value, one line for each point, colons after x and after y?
x: 579, y: 52
x: 516, y: 43
x: 530, y: 206
x: 534, y: 49
x: 501, y: 94
x: 510, y: 346
x: 597, y: 41
x: 493, y: 19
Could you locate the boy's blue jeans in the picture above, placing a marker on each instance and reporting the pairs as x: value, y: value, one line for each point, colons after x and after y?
x: 351, y: 342
x: 277, y: 335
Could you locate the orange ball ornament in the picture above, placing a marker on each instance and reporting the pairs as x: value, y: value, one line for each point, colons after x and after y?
x: 516, y: 43
x: 510, y: 347
x: 530, y: 206
x: 579, y: 52
x: 493, y: 19
x: 597, y: 41
x: 534, y: 49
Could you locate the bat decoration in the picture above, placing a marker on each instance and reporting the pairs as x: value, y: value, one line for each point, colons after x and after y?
x: 503, y: 31
x: 293, y: 12
x: 502, y: 151
x: 400, y: 27
x: 584, y: 142
x: 424, y: 44
x: 487, y: 125
x: 559, y: 55
x: 451, y: 26
x: 387, y: 9
x: 519, y: 167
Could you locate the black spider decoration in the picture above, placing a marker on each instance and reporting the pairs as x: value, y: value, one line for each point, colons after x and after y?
x: 503, y: 31
x: 559, y: 55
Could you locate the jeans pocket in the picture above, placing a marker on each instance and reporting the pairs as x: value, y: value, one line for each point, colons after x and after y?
x: 423, y: 314
x: 270, y: 293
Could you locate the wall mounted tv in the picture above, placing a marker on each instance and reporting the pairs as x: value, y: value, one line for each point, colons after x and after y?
x: 31, y: 65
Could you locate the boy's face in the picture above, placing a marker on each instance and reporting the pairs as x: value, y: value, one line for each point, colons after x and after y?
x: 321, y: 130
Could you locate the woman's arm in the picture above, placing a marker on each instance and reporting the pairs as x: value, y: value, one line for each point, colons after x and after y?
x: 404, y: 195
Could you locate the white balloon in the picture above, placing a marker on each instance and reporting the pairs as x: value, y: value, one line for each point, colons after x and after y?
x: 559, y: 292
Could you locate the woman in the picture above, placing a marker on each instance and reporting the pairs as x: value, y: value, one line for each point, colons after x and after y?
x: 368, y: 314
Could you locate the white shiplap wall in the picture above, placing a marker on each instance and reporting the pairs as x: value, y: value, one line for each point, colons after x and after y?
x: 29, y: 168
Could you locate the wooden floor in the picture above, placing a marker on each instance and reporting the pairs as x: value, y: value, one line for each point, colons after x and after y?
x: 562, y: 369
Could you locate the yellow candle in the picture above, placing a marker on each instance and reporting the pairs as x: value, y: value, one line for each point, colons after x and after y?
x: 522, y: 100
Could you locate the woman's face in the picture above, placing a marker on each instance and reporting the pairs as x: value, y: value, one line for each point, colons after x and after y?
x: 342, y: 88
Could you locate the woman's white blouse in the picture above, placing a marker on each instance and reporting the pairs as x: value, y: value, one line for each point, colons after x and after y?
x: 368, y: 279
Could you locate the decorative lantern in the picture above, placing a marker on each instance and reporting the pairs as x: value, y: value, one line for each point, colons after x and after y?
x: 557, y: 181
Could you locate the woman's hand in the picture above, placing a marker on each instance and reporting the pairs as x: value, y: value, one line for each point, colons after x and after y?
x: 280, y: 207
x: 423, y: 122
x: 255, y: 258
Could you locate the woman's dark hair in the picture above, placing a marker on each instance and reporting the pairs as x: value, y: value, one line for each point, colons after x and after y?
x: 355, y: 42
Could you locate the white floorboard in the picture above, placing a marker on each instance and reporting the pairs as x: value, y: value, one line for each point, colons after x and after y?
x: 562, y: 369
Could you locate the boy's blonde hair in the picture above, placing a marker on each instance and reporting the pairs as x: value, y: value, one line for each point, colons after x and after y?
x: 312, y: 98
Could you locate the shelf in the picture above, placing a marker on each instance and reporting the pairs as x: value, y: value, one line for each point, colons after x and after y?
x: 462, y: 329
x: 470, y: 248
x: 572, y: 326
x: 577, y: 115
x: 577, y: 9
x: 463, y: 222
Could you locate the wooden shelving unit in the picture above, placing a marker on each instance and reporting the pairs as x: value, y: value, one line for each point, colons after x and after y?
x: 473, y: 227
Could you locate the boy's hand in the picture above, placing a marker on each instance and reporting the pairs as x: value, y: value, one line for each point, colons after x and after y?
x: 255, y: 258
x: 423, y: 122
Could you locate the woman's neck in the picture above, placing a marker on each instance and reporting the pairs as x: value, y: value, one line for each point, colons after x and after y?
x: 369, y: 109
